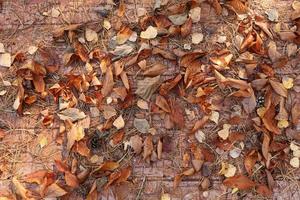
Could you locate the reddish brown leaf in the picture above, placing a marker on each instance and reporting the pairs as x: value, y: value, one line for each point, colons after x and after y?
x: 278, y: 88
x: 186, y: 28
x: 93, y: 193
x: 169, y: 85
x: 108, y: 82
x: 269, y: 120
x: 177, y: 180
x: 238, y: 6
x: 81, y: 51
x: 61, y: 166
x: 148, y: 147
x: 250, y: 159
x: 265, y: 146
x: 239, y: 181
x: 263, y: 190
x: 123, y: 35
x: 177, y: 113
x: 125, y: 173
x: 108, y: 166
x: 162, y: 103
x: 200, y: 123
x: 155, y: 70
x: 71, y: 179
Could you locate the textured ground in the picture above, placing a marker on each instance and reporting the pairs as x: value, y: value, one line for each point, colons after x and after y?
x: 22, y: 25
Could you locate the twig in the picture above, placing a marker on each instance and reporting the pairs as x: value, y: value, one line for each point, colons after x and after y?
x: 141, y: 189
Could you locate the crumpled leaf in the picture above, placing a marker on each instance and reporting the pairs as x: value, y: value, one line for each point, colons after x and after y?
x: 149, y: 33
x: 54, y: 191
x: 239, y: 181
x: 146, y: 87
x: 122, y: 50
x: 186, y: 28
x: 162, y: 103
x: 250, y: 159
x: 136, y: 143
x: 155, y: 70
x: 72, y: 114
x: 141, y: 125
x: 238, y: 6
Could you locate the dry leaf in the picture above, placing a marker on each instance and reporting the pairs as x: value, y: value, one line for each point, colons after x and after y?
x: 141, y: 125
x: 2, y: 50
x: 162, y: 103
x: 75, y: 134
x: 148, y: 147
x: 119, y: 122
x: 214, y: 116
x: 71, y: 179
x: 54, y: 191
x: 136, y: 143
x: 149, y: 33
x: 142, y: 104
x: 146, y: 87
x: 250, y: 159
x: 21, y: 190
x: 124, y: 34
x: 263, y: 190
x: 278, y: 88
x: 186, y: 28
x: 108, y: 82
x: 122, y: 50
x: 294, y: 162
x: 228, y: 170
x: 90, y: 35
x: 106, y: 24
x: 200, y: 136
x: 155, y: 70
x: 287, y: 82
x: 239, y: 181
x: 5, y: 59
x: 224, y: 133
x: 238, y: 6
x: 272, y: 14
x: 72, y: 114
x: 195, y: 14
x: 177, y: 114
x: 179, y: 19
x: 296, y: 5
x: 197, y: 38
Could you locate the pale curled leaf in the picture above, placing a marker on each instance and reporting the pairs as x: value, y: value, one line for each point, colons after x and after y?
x: 72, y: 114
x: 146, y: 87
x: 149, y: 33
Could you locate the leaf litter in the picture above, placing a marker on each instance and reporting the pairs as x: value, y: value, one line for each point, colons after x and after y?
x: 127, y: 86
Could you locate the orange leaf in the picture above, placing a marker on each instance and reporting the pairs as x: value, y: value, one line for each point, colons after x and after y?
x: 238, y: 6
x: 169, y: 85
x: 155, y: 70
x: 239, y: 181
x: 123, y: 35
x: 269, y: 120
x: 71, y: 179
x: 125, y: 173
x: 36, y: 177
x: 108, y: 166
x: 81, y: 51
x: 93, y: 194
x: 177, y: 180
x: 61, y: 166
x: 200, y: 123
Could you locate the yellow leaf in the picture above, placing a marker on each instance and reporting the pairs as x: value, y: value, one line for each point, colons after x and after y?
x: 261, y: 111
x: 43, y: 141
x: 287, y: 82
x: 214, y: 116
x: 283, y: 124
x: 165, y: 196
x: 106, y: 24
x: 224, y: 133
x: 234, y: 190
x: 149, y: 33
x: 295, y: 162
x: 228, y: 170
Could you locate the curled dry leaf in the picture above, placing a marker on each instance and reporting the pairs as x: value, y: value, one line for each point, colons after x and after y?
x: 75, y: 134
x: 90, y: 35
x: 71, y: 179
x: 228, y: 170
x: 186, y: 28
x: 238, y: 6
x: 278, y: 88
x: 200, y: 123
x: 239, y: 181
x: 72, y: 114
x: 169, y: 85
x: 224, y: 133
x: 142, y: 104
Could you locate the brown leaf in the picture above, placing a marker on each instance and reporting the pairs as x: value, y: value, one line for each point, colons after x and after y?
x: 239, y: 181
x: 265, y: 27
x: 200, y: 123
x: 249, y: 103
x: 177, y: 114
x: 108, y: 166
x: 269, y: 120
x: 164, y: 53
x: 93, y: 193
x: 54, y: 191
x: 81, y: 51
x: 162, y: 103
x: 71, y: 179
x: 72, y: 114
x: 61, y: 166
x: 125, y: 81
x: 121, y: 9
x: 222, y: 61
x: 155, y: 70
x: 75, y: 134
x: 278, y: 88
x: 265, y: 146
x: 177, y: 180
x: 146, y: 87
x: 216, y: 5
x: 125, y: 173
x: 108, y: 82
x: 36, y: 177
x: 238, y: 6
x: 159, y: 149
x: 186, y: 28
x: 250, y: 159
x: 148, y: 147
x: 169, y: 85
x: 263, y: 190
